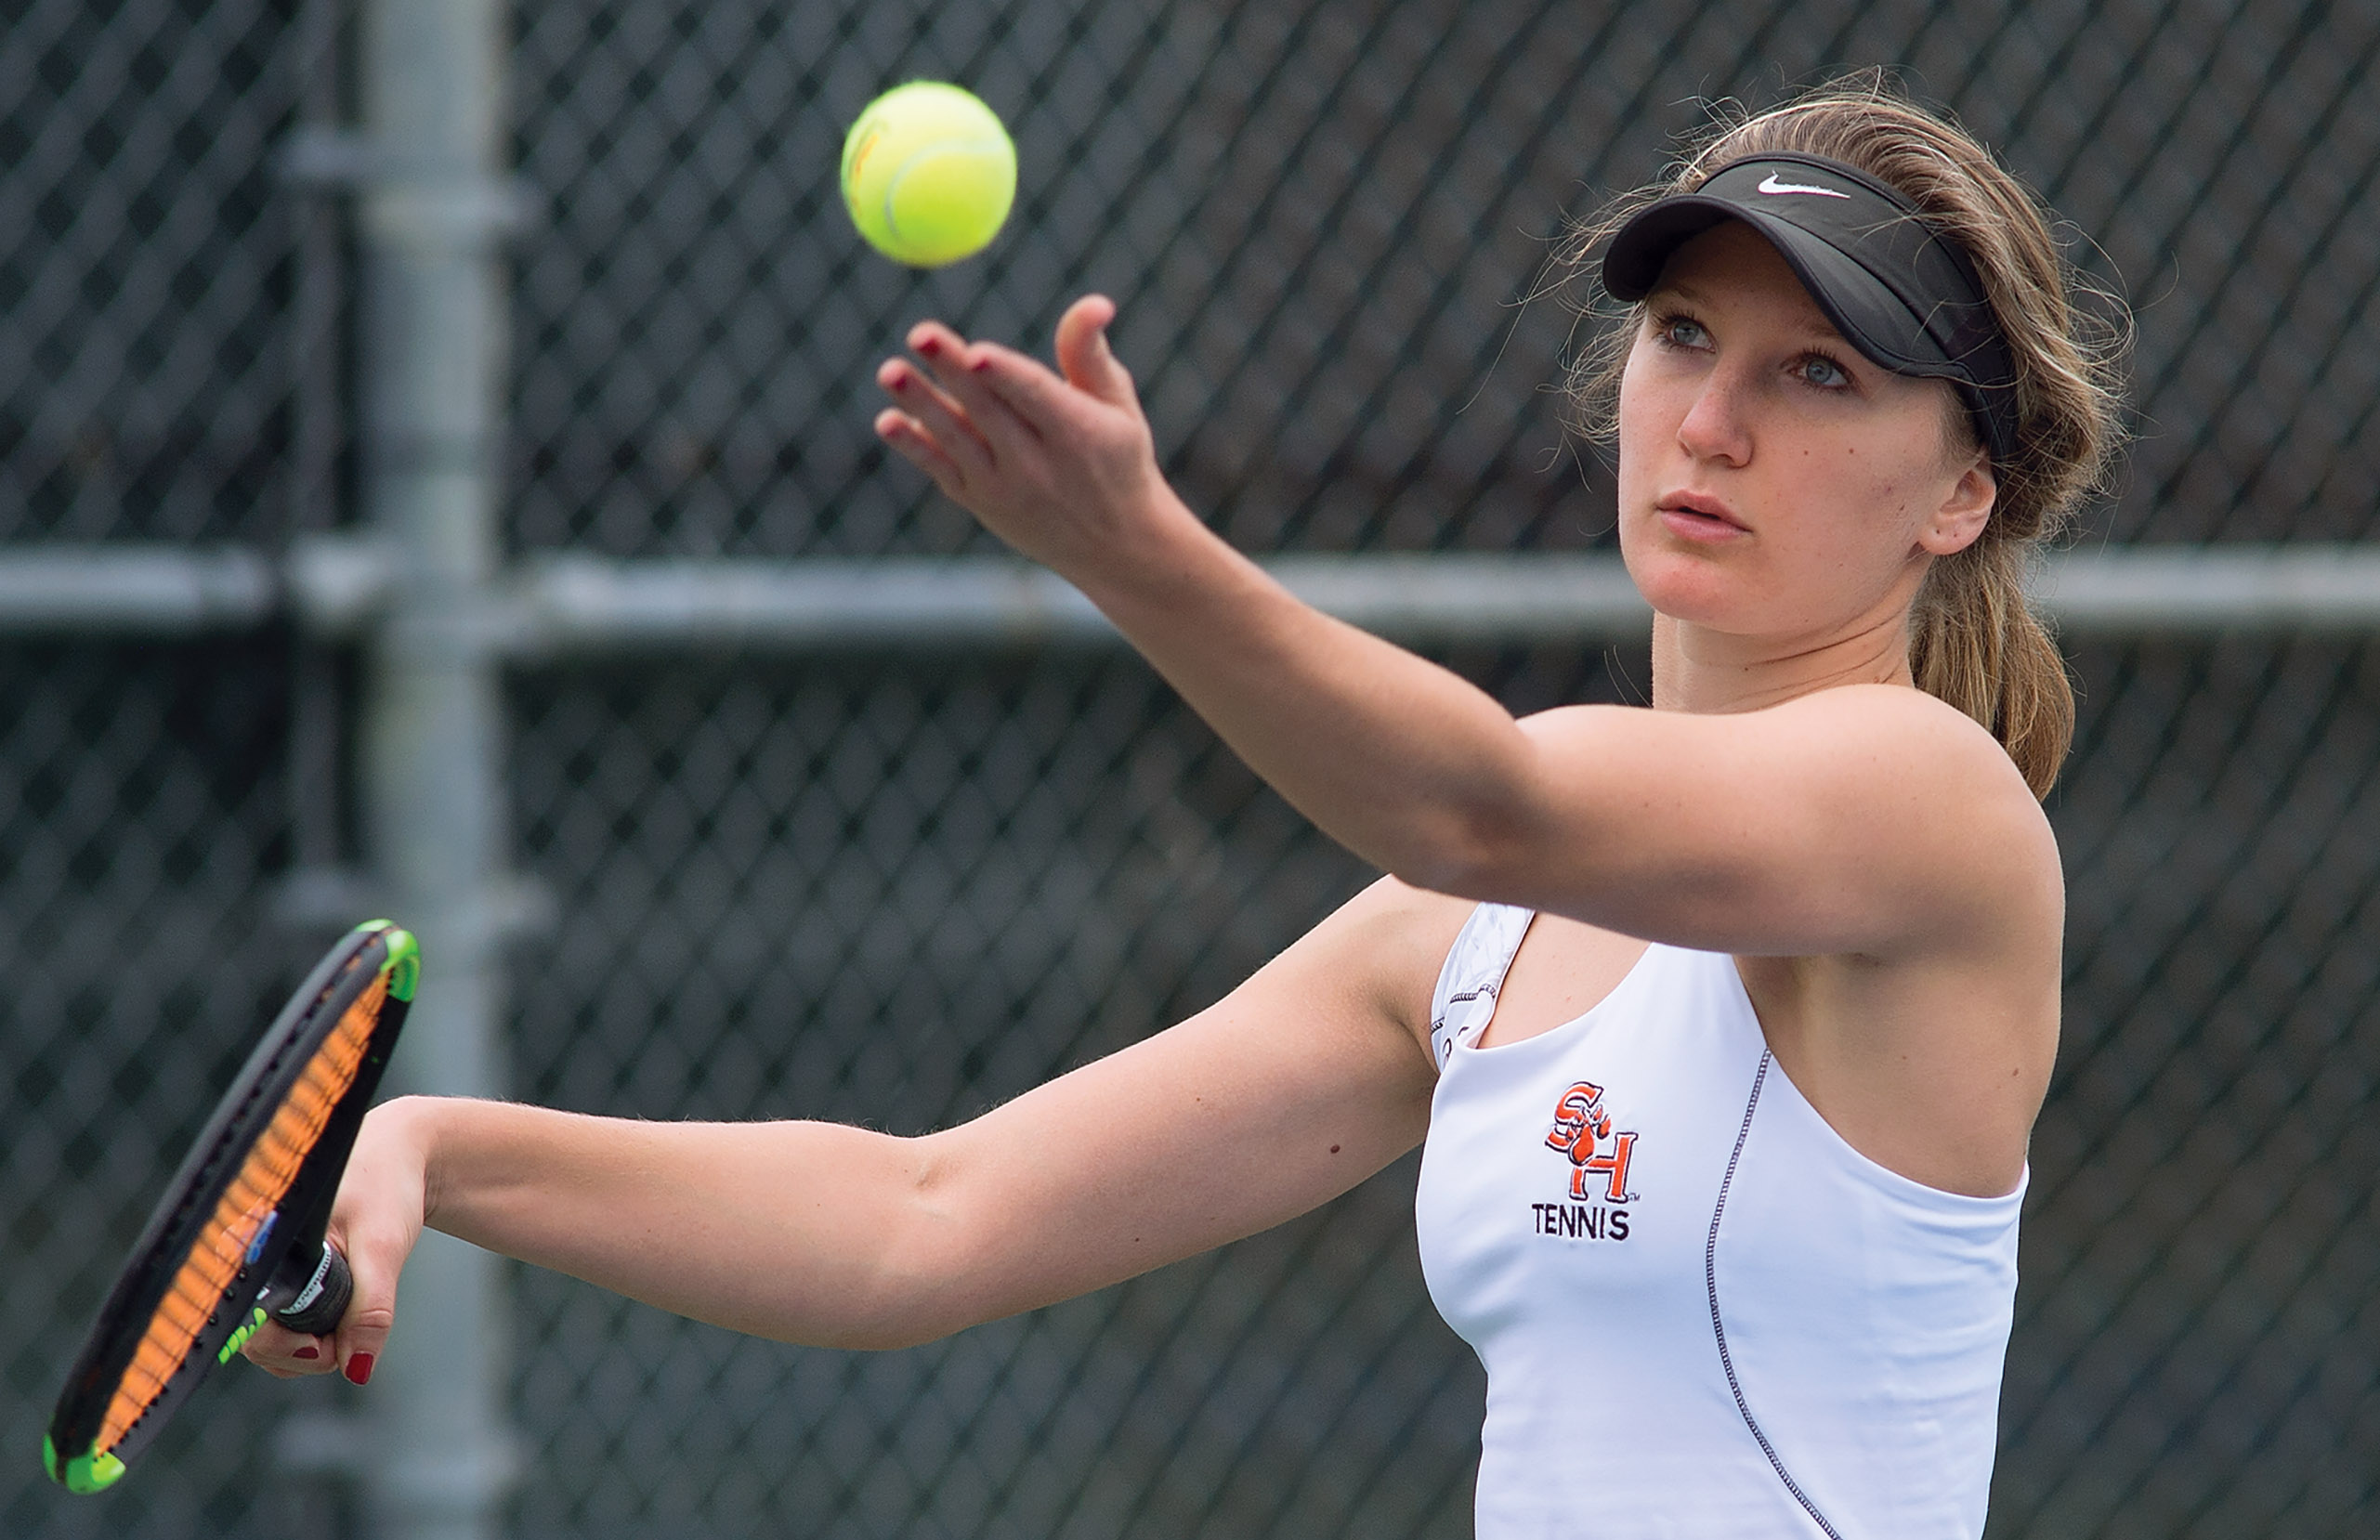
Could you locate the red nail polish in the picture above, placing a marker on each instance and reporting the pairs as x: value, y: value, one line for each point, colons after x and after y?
x: 981, y: 366
x: 928, y: 346
x: 360, y: 1368
x: 305, y: 1352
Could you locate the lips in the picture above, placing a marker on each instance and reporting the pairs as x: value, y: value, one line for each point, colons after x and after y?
x: 1698, y: 515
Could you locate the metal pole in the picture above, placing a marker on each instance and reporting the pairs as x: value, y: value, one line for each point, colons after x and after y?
x: 433, y: 214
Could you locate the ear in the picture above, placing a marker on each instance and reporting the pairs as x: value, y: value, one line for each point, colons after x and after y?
x: 1960, y: 517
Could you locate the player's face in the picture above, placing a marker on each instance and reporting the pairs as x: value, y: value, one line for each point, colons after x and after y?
x: 1772, y: 481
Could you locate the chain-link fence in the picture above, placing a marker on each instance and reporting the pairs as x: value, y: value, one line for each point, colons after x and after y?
x: 898, y: 887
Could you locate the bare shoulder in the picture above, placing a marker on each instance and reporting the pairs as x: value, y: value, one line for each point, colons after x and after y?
x: 1864, y: 731
x: 1899, y: 719
x: 1940, y: 784
x: 1868, y: 819
x: 1978, y: 788
x: 1886, y: 731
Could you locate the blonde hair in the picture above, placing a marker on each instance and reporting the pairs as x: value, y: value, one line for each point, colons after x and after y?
x: 1974, y: 641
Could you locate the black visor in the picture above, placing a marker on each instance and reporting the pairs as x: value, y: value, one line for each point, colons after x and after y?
x: 1896, y: 288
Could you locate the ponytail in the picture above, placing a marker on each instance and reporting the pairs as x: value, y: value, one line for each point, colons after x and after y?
x: 1976, y: 643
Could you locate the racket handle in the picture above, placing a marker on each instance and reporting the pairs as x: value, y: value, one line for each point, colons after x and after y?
x: 324, y: 1300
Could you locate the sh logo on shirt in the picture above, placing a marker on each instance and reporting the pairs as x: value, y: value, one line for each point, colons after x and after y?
x: 1582, y: 1133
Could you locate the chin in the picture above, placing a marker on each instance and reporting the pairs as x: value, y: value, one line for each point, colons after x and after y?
x: 1686, y: 585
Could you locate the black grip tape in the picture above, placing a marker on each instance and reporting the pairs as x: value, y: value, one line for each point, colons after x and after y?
x: 323, y: 1299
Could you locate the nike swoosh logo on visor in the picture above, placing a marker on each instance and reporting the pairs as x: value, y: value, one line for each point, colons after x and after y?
x: 1770, y: 186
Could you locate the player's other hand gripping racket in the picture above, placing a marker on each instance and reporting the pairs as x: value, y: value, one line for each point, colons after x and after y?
x: 238, y: 1238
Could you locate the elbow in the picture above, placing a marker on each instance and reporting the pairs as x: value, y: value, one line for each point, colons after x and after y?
x: 920, y: 1289
x: 892, y: 1311
x: 1482, y: 851
x: 1485, y: 831
x: 888, y: 1337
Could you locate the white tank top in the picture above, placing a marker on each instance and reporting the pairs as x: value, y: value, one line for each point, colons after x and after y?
x: 1701, y: 1311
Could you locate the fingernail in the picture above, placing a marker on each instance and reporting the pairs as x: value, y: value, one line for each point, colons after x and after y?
x: 929, y: 347
x: 305, y: 1352
x: 981, y: 366
x: 360, y: 1368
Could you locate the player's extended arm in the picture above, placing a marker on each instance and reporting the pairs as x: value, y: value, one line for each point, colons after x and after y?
x: 1308, y: 1079
x: 1810, y: 827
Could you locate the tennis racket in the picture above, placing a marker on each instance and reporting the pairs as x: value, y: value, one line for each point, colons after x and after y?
x: 238, y: 1238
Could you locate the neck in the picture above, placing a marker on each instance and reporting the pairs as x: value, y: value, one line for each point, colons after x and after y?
x: 1695, y: 669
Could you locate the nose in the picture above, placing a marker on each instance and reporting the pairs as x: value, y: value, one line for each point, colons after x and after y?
x: 1716, y: 425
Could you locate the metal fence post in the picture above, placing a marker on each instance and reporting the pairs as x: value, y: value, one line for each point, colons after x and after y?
x: 433, y: 214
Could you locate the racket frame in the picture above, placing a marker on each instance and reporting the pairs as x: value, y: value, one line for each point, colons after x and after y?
x: 291, y: 1234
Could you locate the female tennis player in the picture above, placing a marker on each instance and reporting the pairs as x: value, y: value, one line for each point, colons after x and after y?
x: 1723, y: 1022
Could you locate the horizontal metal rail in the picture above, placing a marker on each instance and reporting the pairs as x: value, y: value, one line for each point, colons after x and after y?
x: 133, y: 590
x: 576, y: 603
x: 2156, y: 591
x: 573, y: 605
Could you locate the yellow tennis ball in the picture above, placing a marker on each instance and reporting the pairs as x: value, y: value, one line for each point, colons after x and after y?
x: 928, y: 174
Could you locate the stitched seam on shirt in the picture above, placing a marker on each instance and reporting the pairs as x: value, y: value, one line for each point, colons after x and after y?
x: 1438, y: 1027
x: 1718, y: 1330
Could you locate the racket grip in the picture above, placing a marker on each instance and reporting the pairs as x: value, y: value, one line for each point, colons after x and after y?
x: 319, y: 1304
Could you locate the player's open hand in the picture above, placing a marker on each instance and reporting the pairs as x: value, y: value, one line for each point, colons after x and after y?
x: 1060, y: 464
x: 375, y: 1222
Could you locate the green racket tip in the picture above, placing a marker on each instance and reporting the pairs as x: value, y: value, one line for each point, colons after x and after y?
x: 92, y: 1472
x: 404, y: 958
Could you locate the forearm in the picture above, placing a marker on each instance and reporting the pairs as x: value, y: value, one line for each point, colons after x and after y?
x: 1306, y: 1079
x: 793, y: 1231
x: 1402, y: 760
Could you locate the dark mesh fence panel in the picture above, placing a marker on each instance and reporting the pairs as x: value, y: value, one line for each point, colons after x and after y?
x: 897, y: 889
x: 147, y: 274
x: 2196, y: 1320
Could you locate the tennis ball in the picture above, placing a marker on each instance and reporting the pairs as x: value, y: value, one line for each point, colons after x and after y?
x: 928, y: 174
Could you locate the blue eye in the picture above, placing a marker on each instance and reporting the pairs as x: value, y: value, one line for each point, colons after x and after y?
x: 1681, y: 331
x: 1821, y: 371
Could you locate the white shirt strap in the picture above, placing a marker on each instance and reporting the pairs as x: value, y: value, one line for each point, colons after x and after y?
x: 1474, y: 976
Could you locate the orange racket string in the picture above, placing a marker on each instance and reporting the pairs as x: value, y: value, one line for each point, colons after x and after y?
x: 263, y: 1180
